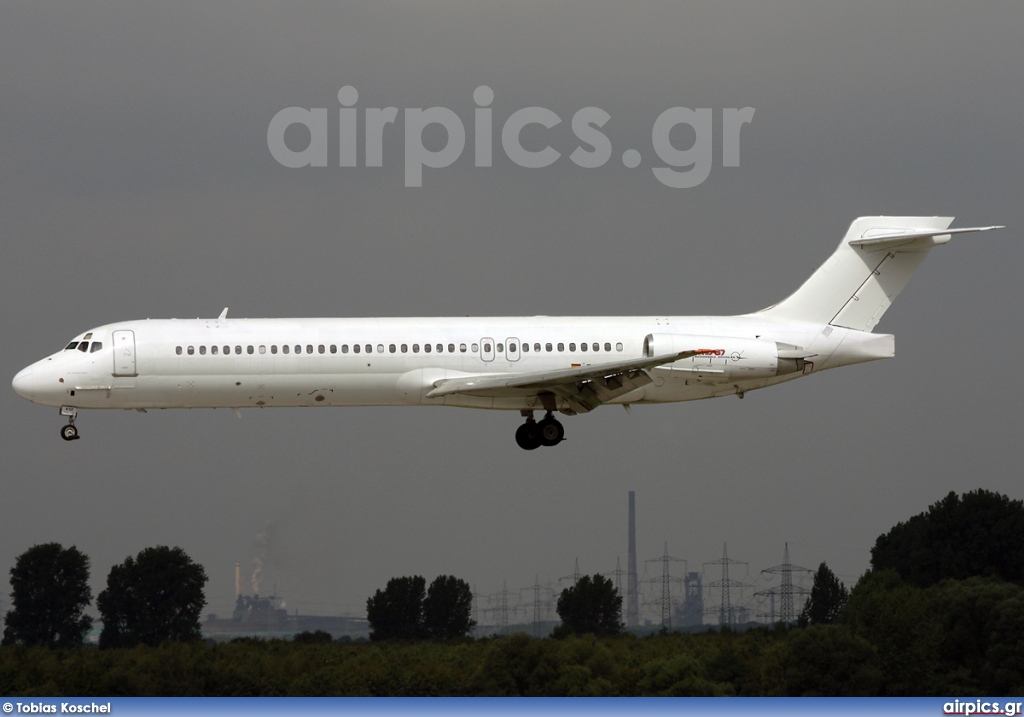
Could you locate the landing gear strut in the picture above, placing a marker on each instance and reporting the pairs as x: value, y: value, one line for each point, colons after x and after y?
x: 69, y: 432
x: 532, y: 434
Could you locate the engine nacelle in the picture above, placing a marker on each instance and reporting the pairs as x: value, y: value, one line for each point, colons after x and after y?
x: 726, y: 358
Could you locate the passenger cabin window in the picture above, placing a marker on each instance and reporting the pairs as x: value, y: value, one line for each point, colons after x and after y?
x: 213, y: 350
x: 462, y: 348
x: 572, y: 347
x: 238, y: 350
x: 273, y: 348
x: 321, y: 348
x: 547, y: 347
x: 618, y: 346
x: 263, y: 349
x: 309, y: 348
x: 191, y: 350
x: 344, y: 348
x: 177, y: 350
x: 526, y: 347
x: 596, y: 347
x: 427, y: 348
x: 475, y: 348
x: 405, y: 348
x: 500, y: 347
x: 202, y: 350
x: 392, y: 348
x: 369, y: 349
x: 249, y: 349
x: 380, y: 348
x: 512, y: 348
x: 415, y: 348
x: 607, y: 346
x: 227, y: 350
x: 285, y: 349
x: 334, y: 349
x: 561, y: 347
x: 487, y: 348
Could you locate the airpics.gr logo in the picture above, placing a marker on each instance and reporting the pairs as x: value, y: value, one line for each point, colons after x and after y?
x: 684, y: 168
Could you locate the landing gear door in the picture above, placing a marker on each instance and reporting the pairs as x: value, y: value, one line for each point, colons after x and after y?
x: 124, y: 353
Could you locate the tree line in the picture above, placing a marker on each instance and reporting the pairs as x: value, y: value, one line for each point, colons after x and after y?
x: 940, y: 611
x: 154, y: 597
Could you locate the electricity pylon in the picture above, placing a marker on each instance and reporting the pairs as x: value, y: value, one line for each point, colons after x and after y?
x: 786, y: 590
x: 666, y: 580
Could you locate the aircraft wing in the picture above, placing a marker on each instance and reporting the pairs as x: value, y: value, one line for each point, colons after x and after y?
x: 585, y: 387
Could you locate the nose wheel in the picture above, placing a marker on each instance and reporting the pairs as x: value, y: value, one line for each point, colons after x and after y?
x: 69, y: 432
x: 534, y: 434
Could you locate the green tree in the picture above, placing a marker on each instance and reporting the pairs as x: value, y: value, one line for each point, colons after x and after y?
x: 152, y: 598
x: 592, y: 605
x: 978, y: 534
x: 396, y: 613
x: 827, y: 661
x: 317, y: 637
x: 49, y: 590
x: 828, y: 598
x: 901, y: 622
x: 447, y: 609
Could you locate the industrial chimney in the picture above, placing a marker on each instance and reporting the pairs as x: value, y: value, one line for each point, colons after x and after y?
x: 632, y: 601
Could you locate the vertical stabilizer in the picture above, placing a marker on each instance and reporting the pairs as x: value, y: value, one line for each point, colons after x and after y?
x: 862, y: 278
x: 855, y: 286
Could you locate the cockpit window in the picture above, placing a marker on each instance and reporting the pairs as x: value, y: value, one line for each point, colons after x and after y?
x: 96, y: 346
x: 72, y: 345
x: 84, y: 346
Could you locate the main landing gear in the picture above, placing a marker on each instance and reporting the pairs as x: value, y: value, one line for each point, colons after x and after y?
x: 534, y: 434
x: 69, y: 432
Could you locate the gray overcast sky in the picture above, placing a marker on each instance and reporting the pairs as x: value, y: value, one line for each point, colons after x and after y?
x: 135, y: 181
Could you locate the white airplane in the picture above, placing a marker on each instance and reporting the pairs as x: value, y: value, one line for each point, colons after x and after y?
x: 570, y: 364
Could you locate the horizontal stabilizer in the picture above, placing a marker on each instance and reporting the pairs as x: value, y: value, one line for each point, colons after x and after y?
x: 900, y: 239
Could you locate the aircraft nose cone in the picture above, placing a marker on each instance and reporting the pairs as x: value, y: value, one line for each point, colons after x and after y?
x: 23, y: 384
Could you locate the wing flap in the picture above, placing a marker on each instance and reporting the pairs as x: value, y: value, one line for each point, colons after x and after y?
x: 588, y: 386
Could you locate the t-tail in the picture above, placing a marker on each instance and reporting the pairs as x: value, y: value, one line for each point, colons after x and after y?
x: 873, y: 263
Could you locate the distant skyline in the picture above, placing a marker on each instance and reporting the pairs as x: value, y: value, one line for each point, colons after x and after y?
x: 136, y: 181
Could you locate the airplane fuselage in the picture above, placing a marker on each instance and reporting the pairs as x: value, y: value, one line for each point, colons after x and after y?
x: 238, y: 363
x: 569, y: 364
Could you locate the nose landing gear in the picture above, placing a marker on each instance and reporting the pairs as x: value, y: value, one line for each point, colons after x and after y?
x: 69, y: 432
x: 533, y: 434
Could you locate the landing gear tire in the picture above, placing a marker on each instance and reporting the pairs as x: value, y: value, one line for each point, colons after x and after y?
x: 551, y: 432
x: 69, y: 432
x: 528, y: 436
